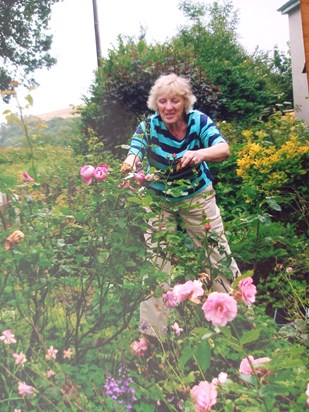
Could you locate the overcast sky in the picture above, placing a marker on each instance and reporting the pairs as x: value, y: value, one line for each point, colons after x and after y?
x: 74, y: 40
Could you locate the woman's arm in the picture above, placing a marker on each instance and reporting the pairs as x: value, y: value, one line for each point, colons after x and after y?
x: 216, y: 153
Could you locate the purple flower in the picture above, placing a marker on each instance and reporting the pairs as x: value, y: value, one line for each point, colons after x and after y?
x: 143, y: 325
x: 120, y: 389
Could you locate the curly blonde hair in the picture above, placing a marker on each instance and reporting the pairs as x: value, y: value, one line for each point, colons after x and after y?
x: 172, y: 85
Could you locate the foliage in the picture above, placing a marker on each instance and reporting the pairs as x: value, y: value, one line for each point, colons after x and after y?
x: 73, y: 274
x: 266, y: 218
x: 71, y: 257
x: 248, y: 83
x: 56, y: 132
x: 200, y: 353
x: 229, y: 83
x: 24, y: 42
x: 119, y: 94
x: 20, y: 130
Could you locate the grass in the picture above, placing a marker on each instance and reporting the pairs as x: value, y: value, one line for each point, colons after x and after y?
x: 13, y: 161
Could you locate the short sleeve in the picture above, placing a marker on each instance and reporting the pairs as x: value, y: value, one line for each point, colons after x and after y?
x: 209, y: 132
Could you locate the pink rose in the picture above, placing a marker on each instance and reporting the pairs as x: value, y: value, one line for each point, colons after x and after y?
x: 245, y: 366
x: 86, y: 173
x: 248, y: 290
x: 192, y: 289
x: 221, y: 379
x: 307, y: 393
x: 27, y: 178
x: 220, y: 308
x: 24, y: 389
x: 100, y: 172
x: 170, y: 300
x: 204, y: 395
x: 139, y: 176
x: 139, y: 347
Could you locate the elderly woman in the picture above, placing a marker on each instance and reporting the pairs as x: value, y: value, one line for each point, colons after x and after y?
x: 178, y: 143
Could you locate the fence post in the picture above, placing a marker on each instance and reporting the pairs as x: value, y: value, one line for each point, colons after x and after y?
x: 4, y: 206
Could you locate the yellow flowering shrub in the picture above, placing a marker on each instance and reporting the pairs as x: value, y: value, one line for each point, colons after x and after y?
x: 275, y: 159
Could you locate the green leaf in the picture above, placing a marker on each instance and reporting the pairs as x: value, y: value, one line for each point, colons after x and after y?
x: 264, y: 219
x: 174, y: 239
x: 185, y: 356
x: 29, y: 99
x: 135, y: 199
x: 249, y: 336
x: 203, y: 355
x: 226, y: 331
x: 203, y: 333
x: 273, y: 390
x: 273, y: 204
x: 246, y: 377
x: 103, y: 256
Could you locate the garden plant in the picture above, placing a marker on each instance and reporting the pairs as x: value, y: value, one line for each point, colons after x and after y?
x: 75, y: 266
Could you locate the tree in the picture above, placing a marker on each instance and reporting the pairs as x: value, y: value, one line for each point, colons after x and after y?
x: 248, y: 83
x: 119, y: 93
x: 229, y: 83
x: 24, y: 43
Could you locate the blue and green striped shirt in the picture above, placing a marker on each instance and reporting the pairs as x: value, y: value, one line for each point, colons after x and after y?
x: 153, y: 141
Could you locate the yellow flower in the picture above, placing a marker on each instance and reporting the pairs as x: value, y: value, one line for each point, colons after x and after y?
x: 247, y: 133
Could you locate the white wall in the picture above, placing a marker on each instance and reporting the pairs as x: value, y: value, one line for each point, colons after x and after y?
x: 300, y: 86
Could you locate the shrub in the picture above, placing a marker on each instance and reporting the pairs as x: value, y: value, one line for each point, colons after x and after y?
x: 273, y: 167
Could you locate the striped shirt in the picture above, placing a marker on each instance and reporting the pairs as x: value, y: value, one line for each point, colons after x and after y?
x: 153, y: 142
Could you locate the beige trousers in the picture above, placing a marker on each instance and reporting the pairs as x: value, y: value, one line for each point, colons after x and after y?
x: 193, y: 212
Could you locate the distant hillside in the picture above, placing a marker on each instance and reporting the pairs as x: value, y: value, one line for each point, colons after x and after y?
x: 58, y: 128
x: 63, y: 113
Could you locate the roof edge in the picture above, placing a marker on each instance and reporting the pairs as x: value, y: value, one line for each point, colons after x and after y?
x: 289, y: 6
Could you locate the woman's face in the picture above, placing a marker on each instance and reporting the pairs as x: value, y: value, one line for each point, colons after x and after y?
x: 171, y: 108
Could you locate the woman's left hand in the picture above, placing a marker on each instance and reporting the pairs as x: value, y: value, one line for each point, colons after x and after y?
x: 191, y: 158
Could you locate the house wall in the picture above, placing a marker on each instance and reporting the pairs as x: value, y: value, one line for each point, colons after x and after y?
x: 304, y: 8
x: 300, y: 85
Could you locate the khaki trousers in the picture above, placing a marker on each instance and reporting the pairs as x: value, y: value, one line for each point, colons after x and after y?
x: 193, y: 212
